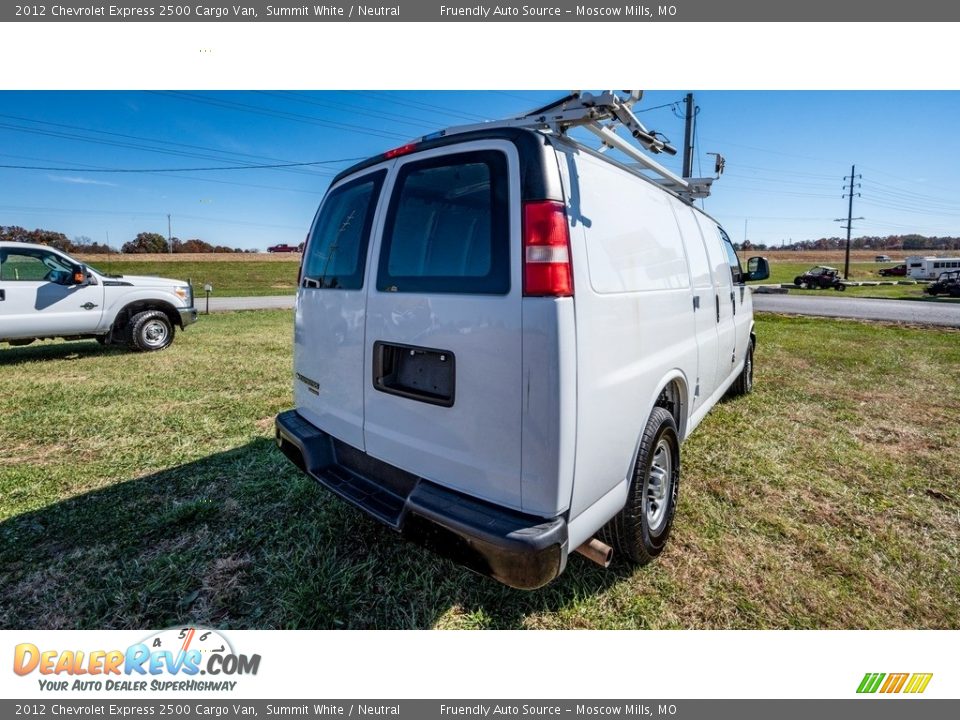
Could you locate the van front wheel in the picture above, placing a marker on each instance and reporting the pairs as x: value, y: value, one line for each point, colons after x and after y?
x: 150, y: 330
x: 639, y: 532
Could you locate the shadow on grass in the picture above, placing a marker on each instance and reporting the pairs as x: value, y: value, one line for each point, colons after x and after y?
x: 242, y: 539
x: 18, y: 355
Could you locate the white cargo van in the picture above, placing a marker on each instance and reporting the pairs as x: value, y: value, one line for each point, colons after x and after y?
x: 502, y: 338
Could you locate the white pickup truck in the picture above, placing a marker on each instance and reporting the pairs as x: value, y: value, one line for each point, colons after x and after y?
x: 45, y: 293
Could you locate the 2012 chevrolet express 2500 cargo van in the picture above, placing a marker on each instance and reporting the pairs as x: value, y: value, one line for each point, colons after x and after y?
x: 502, y: 337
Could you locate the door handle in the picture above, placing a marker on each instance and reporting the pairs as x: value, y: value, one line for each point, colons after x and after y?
x: 3, y: 294
x: 717, y: 298
x: 733, y: 302
x: 89, y: 306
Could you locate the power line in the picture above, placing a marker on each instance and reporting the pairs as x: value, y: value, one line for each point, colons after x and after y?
x: 675, y: 104
x: 171, y: 170
x: 435, y: 109
x: 282, y: 114
x: 351, y: 109
x: 152, y: 141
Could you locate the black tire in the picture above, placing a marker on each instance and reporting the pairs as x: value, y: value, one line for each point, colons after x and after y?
x: 743, y: 385
x: 150, y: 330
x: 630, y: 532
x: 102, y: 339
x: 840, y: 287
x: 798, y: 281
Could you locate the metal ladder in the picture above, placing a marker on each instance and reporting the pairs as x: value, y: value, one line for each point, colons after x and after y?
x: 591, y: 112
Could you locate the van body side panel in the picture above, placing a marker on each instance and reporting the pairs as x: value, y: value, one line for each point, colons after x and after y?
x: 549, y: 404
x: 704, y: 313
x: 635, y: 322
x: 470, y: 439
x: 723, y: 303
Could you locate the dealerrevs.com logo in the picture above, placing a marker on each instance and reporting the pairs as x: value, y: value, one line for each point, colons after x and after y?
x: 910, y: 683
x: 171, y: 660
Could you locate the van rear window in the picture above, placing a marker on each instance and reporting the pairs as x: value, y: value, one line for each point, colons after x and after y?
x: 337, y: 251
x: 448, y: 227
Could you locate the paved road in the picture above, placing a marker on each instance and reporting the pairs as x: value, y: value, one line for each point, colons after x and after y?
x: 921, y: 313
x: 266, y: 302
x: 908, y: 311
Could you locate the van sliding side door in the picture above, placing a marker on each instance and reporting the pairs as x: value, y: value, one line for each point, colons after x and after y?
x: 723, y: 301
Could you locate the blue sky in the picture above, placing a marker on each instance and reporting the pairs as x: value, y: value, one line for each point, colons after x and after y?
x: 787, y: 153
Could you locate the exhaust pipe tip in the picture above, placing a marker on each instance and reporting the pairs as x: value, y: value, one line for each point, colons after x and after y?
x: 597, y: 551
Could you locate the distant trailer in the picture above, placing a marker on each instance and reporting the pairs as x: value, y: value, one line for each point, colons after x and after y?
x: 929, y: 268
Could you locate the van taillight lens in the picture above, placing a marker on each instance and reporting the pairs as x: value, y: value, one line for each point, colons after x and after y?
x: 547, y: 268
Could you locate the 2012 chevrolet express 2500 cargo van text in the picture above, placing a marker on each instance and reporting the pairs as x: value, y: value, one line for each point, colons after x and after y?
x: 502, y: 337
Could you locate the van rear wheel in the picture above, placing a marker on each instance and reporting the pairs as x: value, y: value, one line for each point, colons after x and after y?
x: 639, y: 532
x: 743, y: 385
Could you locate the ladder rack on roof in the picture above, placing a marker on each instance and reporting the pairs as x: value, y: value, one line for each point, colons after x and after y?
x: 588, y: 111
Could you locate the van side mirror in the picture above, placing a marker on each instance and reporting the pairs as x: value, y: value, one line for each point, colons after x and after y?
x: 757, y: 269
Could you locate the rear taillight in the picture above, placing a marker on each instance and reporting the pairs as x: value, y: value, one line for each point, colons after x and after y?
x: 547, y: 268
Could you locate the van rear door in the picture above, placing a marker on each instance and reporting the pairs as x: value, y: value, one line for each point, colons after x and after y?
x: 331, y: 306
x: 442, y: 355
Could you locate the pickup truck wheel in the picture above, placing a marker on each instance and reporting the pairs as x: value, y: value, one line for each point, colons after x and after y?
x: 743, y: 385
x: 639, y: 532
x: 150, y: 330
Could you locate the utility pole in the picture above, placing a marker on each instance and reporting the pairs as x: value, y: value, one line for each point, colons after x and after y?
x: 688, y: 138
x: 849, y: 194
x: 169, y: 236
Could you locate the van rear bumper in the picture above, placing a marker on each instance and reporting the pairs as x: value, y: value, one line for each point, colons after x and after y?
x: 519, y: 550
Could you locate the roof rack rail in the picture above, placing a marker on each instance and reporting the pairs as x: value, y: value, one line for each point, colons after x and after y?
x: 603, y: 114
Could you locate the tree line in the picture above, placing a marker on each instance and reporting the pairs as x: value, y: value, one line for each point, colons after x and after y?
x: 144, y: 242
x: 866, y: 242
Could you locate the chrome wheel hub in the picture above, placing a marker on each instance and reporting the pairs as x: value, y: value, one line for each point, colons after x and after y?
x: 155, y: 333
x: 659, y: 486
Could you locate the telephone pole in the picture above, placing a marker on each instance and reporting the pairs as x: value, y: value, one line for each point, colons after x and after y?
x: 849, y: 194
x: 169, y: 236
x: 688, y: 137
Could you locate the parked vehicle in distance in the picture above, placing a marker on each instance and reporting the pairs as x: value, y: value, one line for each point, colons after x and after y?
x: 819, y: 278
x: 929, y: 267
x: 502, y: 338
x: 284, y: 248
x: 895, y: 271
x: 947, y: 284
x: 882, y: 258
x: 45, y: 293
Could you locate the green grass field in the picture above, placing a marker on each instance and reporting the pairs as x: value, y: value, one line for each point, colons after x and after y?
x: 145, y: 491
x: 229, y: 279
x: 785, y: 272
